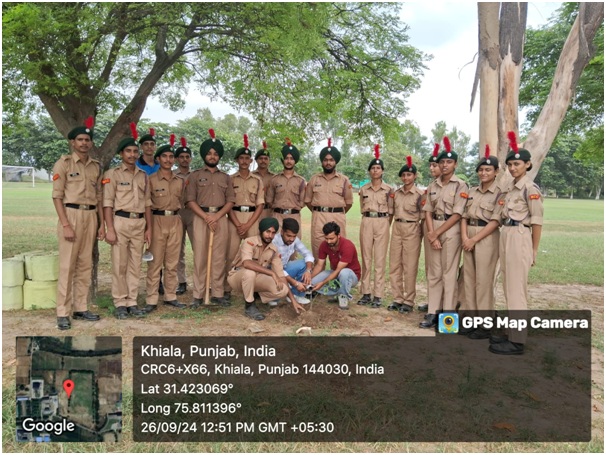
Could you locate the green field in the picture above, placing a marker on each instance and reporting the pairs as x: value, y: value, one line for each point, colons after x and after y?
x: 571, y: 250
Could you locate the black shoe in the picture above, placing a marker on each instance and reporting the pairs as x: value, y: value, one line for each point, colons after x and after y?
x: 63, y: 324
x: 497, y: 339
x: 423, y: 308
x: 507, y: 348
x: 253, y: 312
x: 405, y: 308
x: 196, y: 304
x: 181, y: 289
x: 376, y: 302
x: 479, y: 334
x: 136, y: 311
x: 394, y: 306
x: 121, y: 312
x: 430, y: 320
x: 227, y: 296
x: 161, y: 289
x: 174, y: 303
x: 86, y: 316
x: 149, y: 308
x: 365, y: 300
x: 220, y: 301
x: 256, y: 296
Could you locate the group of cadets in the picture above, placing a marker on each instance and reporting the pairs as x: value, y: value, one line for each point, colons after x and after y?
x: 232, y: 222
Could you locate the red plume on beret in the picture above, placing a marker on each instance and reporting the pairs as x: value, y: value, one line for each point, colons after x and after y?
x: 264, y: 145
x: 409, y: 161
x: 89, y: 122
x: 133, y: 131
x: 329, y: 142
x: 183, y: 142
x: 152, y: 131
x: 447, y: 144
x: 246, y: 141
x: 513, y: 142
x: 487, y: 152
x: 172, y: 140
x: 212, y: 134
x: 288, y: 141
x: 436, y: 149
x: 377, y: 153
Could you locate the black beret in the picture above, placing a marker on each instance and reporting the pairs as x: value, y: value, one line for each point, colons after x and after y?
x: 127, y: 142
x: 164, y: 148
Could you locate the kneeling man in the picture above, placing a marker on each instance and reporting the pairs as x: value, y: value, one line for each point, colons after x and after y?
x: 258, y: 268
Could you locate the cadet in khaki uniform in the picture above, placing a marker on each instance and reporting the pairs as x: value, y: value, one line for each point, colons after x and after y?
x: 480, y: 237
x: 376, y: 205
x: 519, y: 244
x: 431, y: 256
x: 328, y: 195
x: 406, y: 236
x: 446, y: 200
x: 167, y: 229
x: 258, y: 268
x: 183, y: 157
x: 262, y: 160
x: 244, y: 215
x: 210, y: 195
x: 77, y: 197
x: 286, y: 192
x: 126, y: 197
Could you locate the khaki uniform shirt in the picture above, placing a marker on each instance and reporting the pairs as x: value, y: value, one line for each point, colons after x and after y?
x: 184, y: 178
x: 448, y: 199
x: 484, y: 205
x: 248, y: 191
x: 125, y: 190
x: 324, y: 192
x: 76, y: 181
x: 209, y: 189
x: 408, y: 205
x: 252, y: 249
x: 166, y: 194
x: 286, y: 193
x: 379, y: 200
x: 524, y: 202
x: 266, y: 179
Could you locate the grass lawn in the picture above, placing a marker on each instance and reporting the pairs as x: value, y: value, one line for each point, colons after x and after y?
x: 571, y: 250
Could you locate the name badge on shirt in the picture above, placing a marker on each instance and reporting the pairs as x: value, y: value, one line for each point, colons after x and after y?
x: 124, y: 183
x: 75, y: 174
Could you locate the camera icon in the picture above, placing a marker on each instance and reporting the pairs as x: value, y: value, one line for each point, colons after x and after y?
x: 448, y: 323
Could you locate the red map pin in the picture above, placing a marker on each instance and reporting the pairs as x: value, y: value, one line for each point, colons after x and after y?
x: 68, y: 386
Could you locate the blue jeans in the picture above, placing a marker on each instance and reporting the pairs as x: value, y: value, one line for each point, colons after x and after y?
x: 296, y: 269
x: 347, y: 279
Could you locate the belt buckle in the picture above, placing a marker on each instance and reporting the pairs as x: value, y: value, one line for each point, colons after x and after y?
x: 324, y: 209
x: 213, y: 209
x: 373, y: 214
x: 169, y: 212
x: 286, y: 212
x: 244, y: 209
x: 83, y: 207
x: 133, y: 215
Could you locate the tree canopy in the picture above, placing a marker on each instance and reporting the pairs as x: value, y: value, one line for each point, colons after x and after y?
x: 293, y: 66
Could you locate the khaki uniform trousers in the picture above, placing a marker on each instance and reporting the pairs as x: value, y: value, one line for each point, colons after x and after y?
x: 234, y: 241
x: 248, y: 282
x: 318, y: 220
x: 515, y: 250
x: 404, y: 253
x: 200, y: 247
x: 75, y: 262
x: 374, y: 242
x: 167, y: 234
x: 126, y: 260
x: 479, y: 268
x: 432, y: 257
x: 297, y: 216
x: 187, y: 219
x: 442, y: 274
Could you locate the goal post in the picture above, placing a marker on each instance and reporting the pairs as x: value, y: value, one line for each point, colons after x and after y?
x: 18, y: 174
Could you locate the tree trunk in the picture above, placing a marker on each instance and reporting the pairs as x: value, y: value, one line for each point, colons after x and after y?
x: 598, y: 191
x: 576, y: 53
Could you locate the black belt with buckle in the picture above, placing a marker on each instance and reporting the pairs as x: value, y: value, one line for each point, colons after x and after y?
x: 211, y: 209
x: 402, y: 220
x: 375, y: 214
x: 124, y: 214
x: 81, y: 206
x: 329, y: 209
x: 476, y: 222
x: 165, y: 212
x: 266, y: 206
x: 244, y: 208
x: 287, y: 211
x: 510, y: 222
x: 441, y: 217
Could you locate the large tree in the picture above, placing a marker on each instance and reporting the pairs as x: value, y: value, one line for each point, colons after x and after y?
x: 291, y: 65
